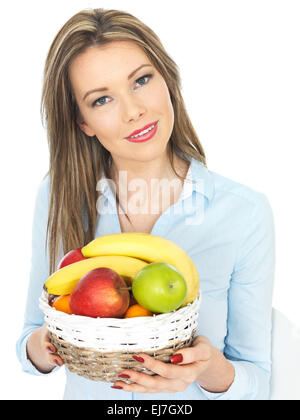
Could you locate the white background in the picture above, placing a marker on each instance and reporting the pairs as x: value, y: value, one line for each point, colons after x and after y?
x: 239, y: 63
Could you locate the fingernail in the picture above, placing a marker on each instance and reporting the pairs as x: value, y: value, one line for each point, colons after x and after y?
x: 116, y: 387
x: 177, y: 358
x: 123, y: 375
x: 138, y: 358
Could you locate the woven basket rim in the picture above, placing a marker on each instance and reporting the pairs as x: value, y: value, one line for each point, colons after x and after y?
x: 113, y: 322
x: 114, y: 334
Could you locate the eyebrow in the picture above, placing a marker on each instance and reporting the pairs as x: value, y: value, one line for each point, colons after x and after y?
x: 105, y: 88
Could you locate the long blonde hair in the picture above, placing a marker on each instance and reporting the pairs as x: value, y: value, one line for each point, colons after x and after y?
x: 76, y: 159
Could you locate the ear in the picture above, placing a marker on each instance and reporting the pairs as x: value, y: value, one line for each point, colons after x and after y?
x: 84, y: 127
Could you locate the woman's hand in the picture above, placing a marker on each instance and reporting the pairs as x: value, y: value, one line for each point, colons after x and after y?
x: 41, y: 352
x: 202, y: 363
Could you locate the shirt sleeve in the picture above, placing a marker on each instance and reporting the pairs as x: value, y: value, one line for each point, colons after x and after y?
x: 39, y: 273
x: 249, y: 323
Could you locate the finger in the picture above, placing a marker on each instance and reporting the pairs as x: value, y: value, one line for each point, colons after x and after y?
x: 49, y: 347
x: 146, y: 380
x: 53, y: 357
x: 200, y: 350
x: 132, y: 387
x: 142, y: 382
x: 45, y: 339
x: 46, y: 343
x: 164, y: 370
x: 55, y: 360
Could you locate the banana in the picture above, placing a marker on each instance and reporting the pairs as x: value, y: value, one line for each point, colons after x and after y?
x: 63, y: 281
x: 151, y: 248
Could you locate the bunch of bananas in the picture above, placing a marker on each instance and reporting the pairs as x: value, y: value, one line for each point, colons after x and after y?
x: 126, y: 253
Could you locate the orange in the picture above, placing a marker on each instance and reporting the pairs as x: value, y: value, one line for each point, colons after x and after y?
x: 62, y: 304
x: 137, y: 310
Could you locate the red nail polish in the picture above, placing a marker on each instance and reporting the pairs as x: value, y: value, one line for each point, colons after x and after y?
x: 116, y: 387
x: 177, y: 358
x: 123, y: 375
x: 138, y: 358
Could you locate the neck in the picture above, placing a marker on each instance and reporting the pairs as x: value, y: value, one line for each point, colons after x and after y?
x: 130, y: 185
x: 158, y: 168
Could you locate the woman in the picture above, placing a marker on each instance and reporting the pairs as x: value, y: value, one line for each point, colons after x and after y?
x: 106, y: 76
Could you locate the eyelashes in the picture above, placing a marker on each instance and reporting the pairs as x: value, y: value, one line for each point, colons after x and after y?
x: 98, y: 102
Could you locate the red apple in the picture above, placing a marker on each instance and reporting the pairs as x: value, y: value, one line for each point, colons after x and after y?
x: 72, y: 256
x: 101, y: 292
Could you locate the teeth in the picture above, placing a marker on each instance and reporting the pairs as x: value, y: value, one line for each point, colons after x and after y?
x: 143, y: 132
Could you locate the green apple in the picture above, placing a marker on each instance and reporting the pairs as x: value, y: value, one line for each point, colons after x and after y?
x: 159, y: 287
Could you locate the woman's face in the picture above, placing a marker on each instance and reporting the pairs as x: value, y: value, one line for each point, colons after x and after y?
x: 128, y: 104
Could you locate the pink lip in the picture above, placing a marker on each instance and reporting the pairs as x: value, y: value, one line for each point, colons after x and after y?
x: 134, y: 133
x: 146, y: 136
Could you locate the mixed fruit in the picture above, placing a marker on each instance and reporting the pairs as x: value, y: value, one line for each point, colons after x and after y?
x: 123, y: 275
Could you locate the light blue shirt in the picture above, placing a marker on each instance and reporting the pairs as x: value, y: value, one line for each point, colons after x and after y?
x: 227, y: 229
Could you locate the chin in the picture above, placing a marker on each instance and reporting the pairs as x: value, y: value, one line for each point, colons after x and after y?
x: 150, y: 157
x: 141, y: 152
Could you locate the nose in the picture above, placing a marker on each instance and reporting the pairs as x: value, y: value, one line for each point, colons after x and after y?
x: 133, y: 109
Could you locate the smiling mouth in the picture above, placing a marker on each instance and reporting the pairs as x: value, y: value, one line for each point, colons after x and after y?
x: 144, y: 135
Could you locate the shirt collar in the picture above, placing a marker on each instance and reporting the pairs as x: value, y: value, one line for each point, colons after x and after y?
x: 198, y: 179
x: 203, y: 182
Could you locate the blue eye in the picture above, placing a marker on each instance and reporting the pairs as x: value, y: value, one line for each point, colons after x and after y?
x: 101, y: 101
x: 147, y: 76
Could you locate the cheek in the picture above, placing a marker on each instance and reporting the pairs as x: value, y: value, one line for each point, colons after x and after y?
x: 162, y: 102
x: 106, y: 125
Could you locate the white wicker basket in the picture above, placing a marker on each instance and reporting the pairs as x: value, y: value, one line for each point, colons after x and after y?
x: 100, y: 348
